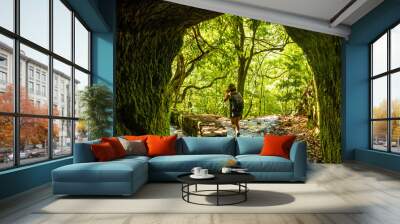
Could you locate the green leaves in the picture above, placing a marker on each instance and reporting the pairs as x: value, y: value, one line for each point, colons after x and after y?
x: 274, y: 71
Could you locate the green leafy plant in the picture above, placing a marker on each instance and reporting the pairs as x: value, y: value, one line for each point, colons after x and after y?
x: 96, y: 103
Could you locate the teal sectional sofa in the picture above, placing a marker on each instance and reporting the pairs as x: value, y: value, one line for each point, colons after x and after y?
x: 125, y: 176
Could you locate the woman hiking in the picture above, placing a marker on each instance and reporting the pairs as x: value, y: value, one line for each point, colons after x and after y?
x: 235, y: 107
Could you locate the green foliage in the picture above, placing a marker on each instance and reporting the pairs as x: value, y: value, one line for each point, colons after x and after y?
x: 277, y: 75
x: 96, y: 102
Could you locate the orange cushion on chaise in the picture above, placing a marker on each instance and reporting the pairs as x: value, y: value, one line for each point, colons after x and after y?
x: 117, y: 146
x: 275, y: 145
x: 103, y: 152
x: 161, y: 145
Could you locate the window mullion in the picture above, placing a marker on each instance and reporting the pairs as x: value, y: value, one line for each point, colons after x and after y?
x: 371, y: 140
x: 389, y: 112
x: 16, y: 70
x: 73, y: 82
x: 50, y: 81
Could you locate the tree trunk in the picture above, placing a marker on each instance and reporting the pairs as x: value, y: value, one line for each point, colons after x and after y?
x: 323, y: 54
x: 242, y: 74
x: 150, y: 35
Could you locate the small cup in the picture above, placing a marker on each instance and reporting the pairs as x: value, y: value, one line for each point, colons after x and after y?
x: 226, y: 170
x: 196, y: 171
x: 203, y: 172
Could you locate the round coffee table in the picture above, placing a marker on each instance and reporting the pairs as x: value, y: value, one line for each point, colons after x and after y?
x: 238, y: 179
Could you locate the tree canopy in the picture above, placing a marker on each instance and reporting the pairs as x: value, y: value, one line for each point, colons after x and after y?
x: 270, y: 70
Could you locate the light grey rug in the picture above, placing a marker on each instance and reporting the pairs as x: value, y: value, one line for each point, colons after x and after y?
x: 166, y: 198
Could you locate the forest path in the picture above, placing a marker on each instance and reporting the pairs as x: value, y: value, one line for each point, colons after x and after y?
x: 248, y: 127
x: 253, y: 126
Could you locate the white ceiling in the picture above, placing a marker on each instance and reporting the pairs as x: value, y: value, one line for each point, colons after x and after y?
x: 325, y: 16
x: 319, y: 9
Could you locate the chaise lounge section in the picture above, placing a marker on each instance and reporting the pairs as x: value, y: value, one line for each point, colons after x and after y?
x: 125, y: 176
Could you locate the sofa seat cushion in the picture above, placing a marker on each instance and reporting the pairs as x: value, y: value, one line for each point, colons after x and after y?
x: 133, y: 157
x: 112, y: 171
x: 257, y: 163
x: 185, y: 163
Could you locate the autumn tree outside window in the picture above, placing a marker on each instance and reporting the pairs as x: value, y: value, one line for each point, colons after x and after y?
x: 44, y: 64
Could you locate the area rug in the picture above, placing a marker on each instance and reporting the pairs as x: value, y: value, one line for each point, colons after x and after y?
x: 166, y: 198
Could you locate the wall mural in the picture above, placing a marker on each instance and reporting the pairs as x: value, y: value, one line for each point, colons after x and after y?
x: 175, y: 64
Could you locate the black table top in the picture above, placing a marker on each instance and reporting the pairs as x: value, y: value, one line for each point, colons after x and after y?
x: 220, y: 178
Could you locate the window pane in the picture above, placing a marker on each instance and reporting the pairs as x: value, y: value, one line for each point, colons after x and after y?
x: 395, y: 47
x: 6, y: 74
x: 6, y: 142
x: 379, y: 55
x: 62, y: 89
x: 35, y: 21
x: 7, y: 14
x: 395, y: 138
x: 395, y: 94
x: 379, y: 97
x: 62, y: 28
x: 81, y: 131
x: 33, y: 139
x: 379, y: 135
x: 81, y: 45
x: 81, y: 82
x: 62, y: 138
x: 34, y: 72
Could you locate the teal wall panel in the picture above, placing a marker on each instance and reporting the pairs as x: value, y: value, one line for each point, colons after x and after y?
x: 356, y: 125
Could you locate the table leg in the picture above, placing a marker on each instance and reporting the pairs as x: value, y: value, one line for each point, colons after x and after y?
x: 188, y: 190
x: 217, y: 194
x: 245, y: 193
x: 182, y: 188
x: 195, y: 188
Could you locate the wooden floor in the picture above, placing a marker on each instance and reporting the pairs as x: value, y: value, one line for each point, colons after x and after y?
x: 377, y: 188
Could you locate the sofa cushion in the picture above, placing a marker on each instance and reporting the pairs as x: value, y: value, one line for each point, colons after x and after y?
x: 249, y: 145
x: 103, y: 152
x: 116, y: 145
x: 161, y: 145
x: 277, y: 145
x: 132, y: 158
x: 257, y: 163
x: 134, y: 147
x: 185, y: 163
x: 112, y: 171
x: 206, y: 145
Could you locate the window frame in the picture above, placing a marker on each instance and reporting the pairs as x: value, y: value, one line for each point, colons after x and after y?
x: 16, y: 114
x: 388, y: 74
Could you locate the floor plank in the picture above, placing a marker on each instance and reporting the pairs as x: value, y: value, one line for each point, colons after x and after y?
x: 376, y: 189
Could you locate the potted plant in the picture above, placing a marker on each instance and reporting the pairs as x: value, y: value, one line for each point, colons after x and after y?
x: 96, y: 103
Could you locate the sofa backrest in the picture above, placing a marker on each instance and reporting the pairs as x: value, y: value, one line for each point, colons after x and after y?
x: 206, y: 145
x: 83, y: 152
x: 249, y: 145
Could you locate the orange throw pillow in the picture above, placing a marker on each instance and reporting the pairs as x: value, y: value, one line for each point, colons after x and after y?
x: 161, y: 145
x: 134, y: 137
x: 103, y: 152
x: 116, y: 145
x: 275, y: 145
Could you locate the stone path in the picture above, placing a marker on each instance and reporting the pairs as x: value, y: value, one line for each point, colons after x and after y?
x: 249, y: 127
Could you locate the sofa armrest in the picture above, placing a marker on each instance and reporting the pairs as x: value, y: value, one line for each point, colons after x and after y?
x: 298, y: 155
x: 83, y: 152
